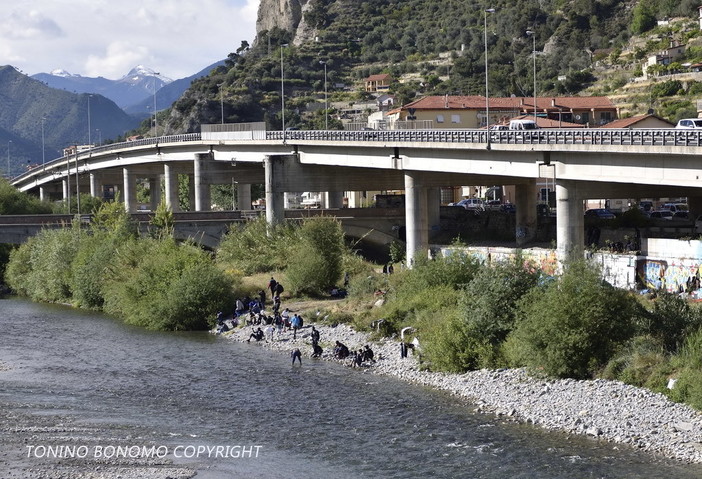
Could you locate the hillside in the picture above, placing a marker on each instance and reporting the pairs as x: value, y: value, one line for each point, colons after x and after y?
x: 24, y: 102
x: 428, y: 47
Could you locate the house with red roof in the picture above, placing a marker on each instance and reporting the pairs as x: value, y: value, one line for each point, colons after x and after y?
x: 376, y: 83
x: 470, y: 111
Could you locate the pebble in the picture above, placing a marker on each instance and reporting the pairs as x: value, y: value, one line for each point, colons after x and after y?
x: 602, y: 409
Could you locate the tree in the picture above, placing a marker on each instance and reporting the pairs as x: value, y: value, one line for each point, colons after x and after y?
x: 643, y: 17
x: 573, y: 326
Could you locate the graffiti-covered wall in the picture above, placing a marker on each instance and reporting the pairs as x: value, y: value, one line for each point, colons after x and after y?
x: 672, y: 265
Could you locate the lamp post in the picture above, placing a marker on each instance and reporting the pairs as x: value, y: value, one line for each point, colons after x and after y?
x: 282, y: 89
x: 221, y: 100
x: 89, y: 143
x: 326, y: 104
x: 8, y: 158
x: 487, y: 96
x: 532, y: 34
x: 155, y: 121
x: 43, y: 156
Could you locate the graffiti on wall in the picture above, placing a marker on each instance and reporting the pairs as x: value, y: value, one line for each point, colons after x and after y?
x: 673, y: 276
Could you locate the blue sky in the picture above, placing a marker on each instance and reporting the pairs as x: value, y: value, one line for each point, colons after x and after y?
x: 109, y: 37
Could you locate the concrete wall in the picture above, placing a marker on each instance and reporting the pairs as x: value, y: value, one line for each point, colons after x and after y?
x: 668, y: 264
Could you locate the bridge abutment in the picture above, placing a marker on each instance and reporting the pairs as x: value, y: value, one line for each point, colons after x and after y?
x: 570, y: 220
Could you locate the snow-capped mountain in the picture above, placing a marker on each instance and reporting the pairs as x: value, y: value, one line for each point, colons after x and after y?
x: 136, y: 86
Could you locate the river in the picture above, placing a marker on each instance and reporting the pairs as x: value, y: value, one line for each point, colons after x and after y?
x: 80, y: 379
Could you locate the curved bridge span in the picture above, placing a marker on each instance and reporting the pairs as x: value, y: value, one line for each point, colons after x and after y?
x: 580, y: 164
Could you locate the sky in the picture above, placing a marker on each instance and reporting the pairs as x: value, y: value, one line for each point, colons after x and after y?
x: 176, y: 38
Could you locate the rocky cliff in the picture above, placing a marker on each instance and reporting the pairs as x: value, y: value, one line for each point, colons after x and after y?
x: 284, y: 14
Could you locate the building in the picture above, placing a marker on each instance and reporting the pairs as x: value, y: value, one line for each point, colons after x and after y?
x: 470, y: 112
x: 376, y: 83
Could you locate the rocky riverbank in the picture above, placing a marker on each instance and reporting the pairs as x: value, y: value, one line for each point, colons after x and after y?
x: 605, y: 410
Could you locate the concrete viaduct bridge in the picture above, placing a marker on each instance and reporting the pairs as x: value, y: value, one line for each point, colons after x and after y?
x: 582, y: 163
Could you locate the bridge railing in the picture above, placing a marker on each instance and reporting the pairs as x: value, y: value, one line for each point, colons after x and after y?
x: 571, y: 136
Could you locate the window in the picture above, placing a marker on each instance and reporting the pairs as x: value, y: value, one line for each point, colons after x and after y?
x: 439, y: 118
x: 456, y: 119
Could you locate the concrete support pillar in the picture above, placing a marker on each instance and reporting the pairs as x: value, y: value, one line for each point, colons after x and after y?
x: 695, y: 205
x: 171, y: 187
x: 129, y: 190
x: 525, y: 217
x: 154, y: 192
x: 433, y: 210
x: 95, y: 191
x: 333, y: 199
x: 64, y: 183
x: 570, y: 223
x: 202, y: 185
x: 415, y: 217
x: 42, y: 194
x: 191, y: 193
x: 243, y: 196
x: 275, y: 211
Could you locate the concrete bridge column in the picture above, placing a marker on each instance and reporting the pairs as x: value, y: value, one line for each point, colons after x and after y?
x: 95, y: 186
x: 415, y: 217
x: 171, y: 187
x: 433, y: 210
x: 202, y: 182
x: 42, y: 193
x: 65, y: 184
x: 191, y: 193
x: 525, y: 218
x: 333, y: 199
x: 570, y: 222
x: 154, y: 192
x: 243, y: 196
x: 695, y: 205
x: 275, y: 211
x: 129, y: 188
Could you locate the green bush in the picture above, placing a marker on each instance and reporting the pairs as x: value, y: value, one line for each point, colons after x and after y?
x: 672, y: 319
x: 46, y: 272
x: 316, y: 260
x: 14, y: 202
x: 161, y: 285
x: 255, y: 247
x: 574, y: 326
x: 642, y: 362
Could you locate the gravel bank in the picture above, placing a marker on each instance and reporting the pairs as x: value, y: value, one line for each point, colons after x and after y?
x: 606, y: 410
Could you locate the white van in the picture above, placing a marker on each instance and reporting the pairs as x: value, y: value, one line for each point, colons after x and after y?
x: 523, y: 125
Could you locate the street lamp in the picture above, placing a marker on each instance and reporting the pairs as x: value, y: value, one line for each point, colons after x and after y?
x: 221, y: 100
x: 155, y: 121
x: 282, y: 89
x: 43, y: 156
x: 89, y: 144
x: 487, y: 102
x: 532, y: 34
x: 8, y: 158
x: 326, y: 104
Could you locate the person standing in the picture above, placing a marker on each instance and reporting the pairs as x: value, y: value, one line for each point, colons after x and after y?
x: 296, y: 355
x: 314, y: 335
x: 272, y: 285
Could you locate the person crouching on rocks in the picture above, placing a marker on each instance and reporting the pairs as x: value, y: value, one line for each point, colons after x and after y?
x: 341, y: 351
x: 296, y: 354
x: 257, y: 335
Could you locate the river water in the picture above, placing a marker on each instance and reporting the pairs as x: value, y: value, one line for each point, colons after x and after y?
x: 75, y: 378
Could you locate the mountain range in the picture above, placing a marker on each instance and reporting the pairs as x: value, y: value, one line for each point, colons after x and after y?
x: 42, y: 114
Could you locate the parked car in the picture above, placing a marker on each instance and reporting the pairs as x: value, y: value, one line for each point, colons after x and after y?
x: 690, y: 124
x: 646, y: 206
x: 522, y: 125
x: 470, y: 204
x: 493, y: 204
x: 681, y: 215
x: 508, y: 208
x: 674, y: 207
x: 661, y: 215
x: 601, y: 213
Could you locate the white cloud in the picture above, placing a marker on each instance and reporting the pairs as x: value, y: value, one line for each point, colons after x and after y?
x: 108, y: 38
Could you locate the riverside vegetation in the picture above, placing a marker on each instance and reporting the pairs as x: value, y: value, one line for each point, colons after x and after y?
x: 468, y: 314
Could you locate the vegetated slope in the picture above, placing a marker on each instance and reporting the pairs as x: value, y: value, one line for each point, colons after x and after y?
x: 433, y: 47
